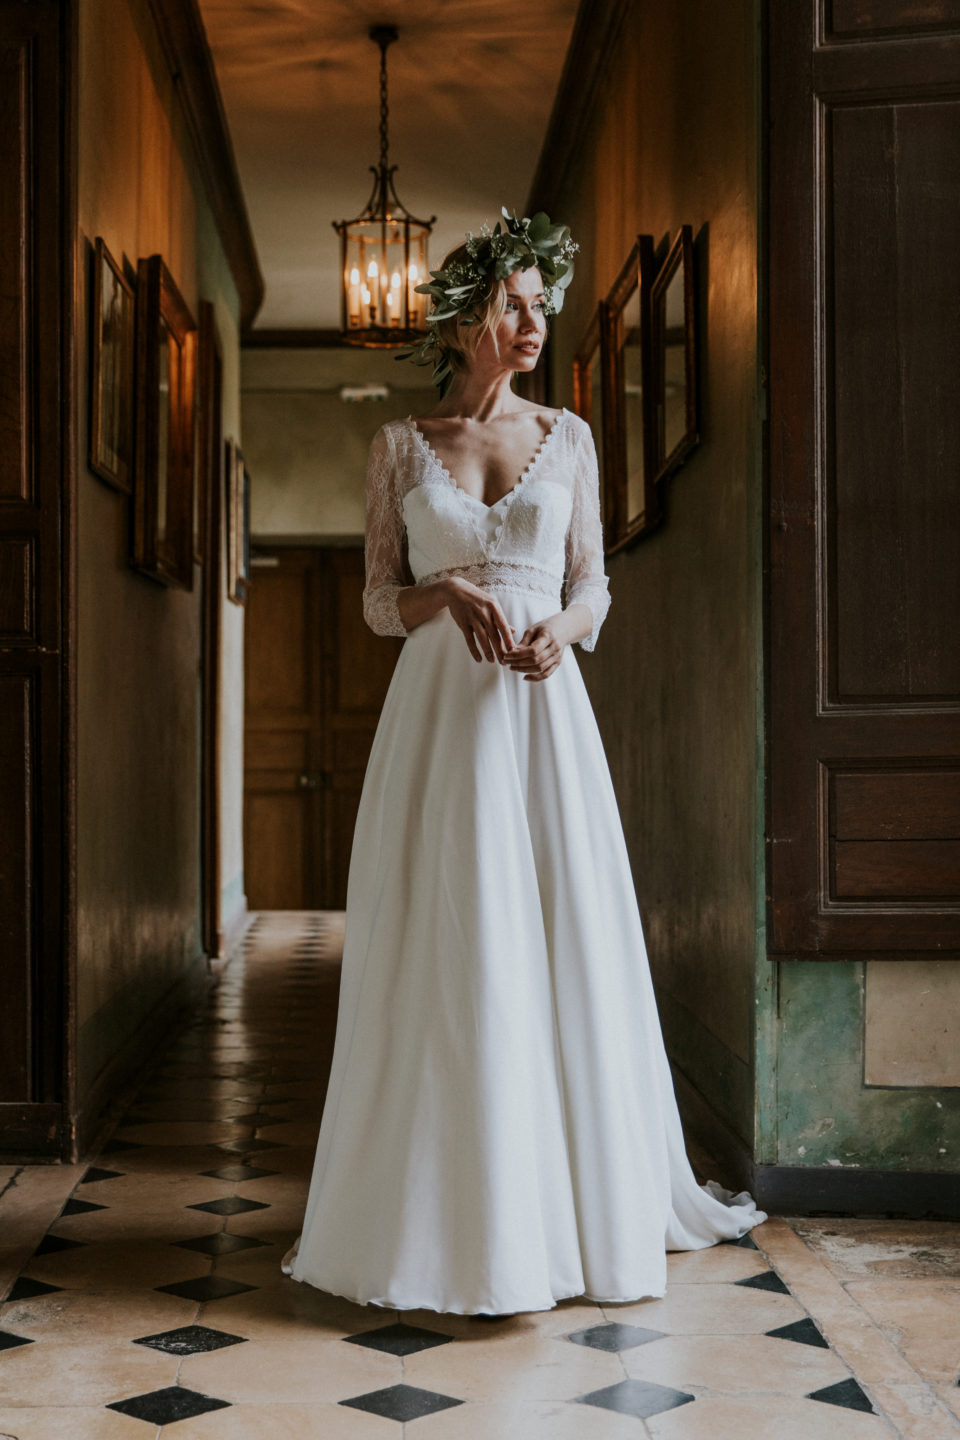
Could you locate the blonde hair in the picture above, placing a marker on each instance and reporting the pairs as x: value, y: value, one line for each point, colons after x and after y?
x: 459, y: 341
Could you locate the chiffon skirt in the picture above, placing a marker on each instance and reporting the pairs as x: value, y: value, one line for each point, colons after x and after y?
x: 500, y: 1130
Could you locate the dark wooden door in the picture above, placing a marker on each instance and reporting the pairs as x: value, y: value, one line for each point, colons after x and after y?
x: 316, y: 677
x: 36, y: 489
x: 864, y: 460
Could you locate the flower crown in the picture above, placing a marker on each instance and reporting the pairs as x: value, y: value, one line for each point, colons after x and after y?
x: 459, y: 288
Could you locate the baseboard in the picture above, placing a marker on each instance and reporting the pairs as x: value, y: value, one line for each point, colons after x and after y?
x: 823, y: 1190
x: 31, y: 1134
x: 810, y: 1189
x: 137, y: 1054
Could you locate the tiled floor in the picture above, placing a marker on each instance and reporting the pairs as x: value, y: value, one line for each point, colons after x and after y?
x: 147, y: 1297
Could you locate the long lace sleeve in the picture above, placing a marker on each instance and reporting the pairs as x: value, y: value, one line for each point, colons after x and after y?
x: 586, y: 583
x: 383, y: 539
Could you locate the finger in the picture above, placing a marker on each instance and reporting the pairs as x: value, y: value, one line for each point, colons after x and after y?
x: 483, y: 640
x: 508, y: 643
x: 471, y: 642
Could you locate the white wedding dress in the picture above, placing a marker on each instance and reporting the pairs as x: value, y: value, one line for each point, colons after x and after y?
x: 500, y: 1129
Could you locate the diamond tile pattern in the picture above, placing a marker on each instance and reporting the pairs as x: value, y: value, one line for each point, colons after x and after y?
x: 220, y: 1244
x: 804, y: 1332
x: 190, y: 1340
x: 229, y: 1205
x: 11, y: 1342
x: 768, y: 1280
x: 238, y: 1173
x: 399, y: 1339
x: 80, y: 1207
x: 163, y: 1407
x: 637, y: 1397
x: 402, y: 1402
x: 614, y: 1337
x: 27, y: 1289
x: 847, y: 1393
x: 206, y: 1288
x: 226, y: 1323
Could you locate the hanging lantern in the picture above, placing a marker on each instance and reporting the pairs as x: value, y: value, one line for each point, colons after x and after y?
x: 383, y: 251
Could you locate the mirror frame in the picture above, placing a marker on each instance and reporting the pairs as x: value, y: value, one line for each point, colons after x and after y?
x: 680, y: 257
x: 636, y: 275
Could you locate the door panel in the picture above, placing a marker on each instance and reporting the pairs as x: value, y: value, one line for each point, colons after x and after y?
x: 316, y: 680
x: 37, y: 488
x: 863, y: 665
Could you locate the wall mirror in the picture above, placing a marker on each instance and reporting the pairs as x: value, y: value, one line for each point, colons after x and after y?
x: 674, y: 360
x: 634, y: 504
x: 588, y: 403
x: 163, y: 511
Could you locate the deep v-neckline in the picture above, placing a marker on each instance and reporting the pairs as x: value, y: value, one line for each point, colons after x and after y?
x: 525, y: 473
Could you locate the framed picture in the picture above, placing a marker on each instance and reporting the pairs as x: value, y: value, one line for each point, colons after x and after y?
x: 111, y: 371
x: 634, y: 503
x: 163, y: 511
x: 238, y: 523
x: 588, y: 403
x: 674, y: 361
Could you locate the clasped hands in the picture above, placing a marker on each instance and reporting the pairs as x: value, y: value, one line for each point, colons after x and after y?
x: 489, y: 635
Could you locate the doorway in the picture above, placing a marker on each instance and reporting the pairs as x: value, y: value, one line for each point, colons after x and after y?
x: 315, y: 681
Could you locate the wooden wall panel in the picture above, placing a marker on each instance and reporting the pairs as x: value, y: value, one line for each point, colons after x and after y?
x: 863, y: 595
x: 862, y: 19
x: 36, y: 483
x: 892, y: 215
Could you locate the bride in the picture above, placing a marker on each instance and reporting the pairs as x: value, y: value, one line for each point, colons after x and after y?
x: 500, y: 1130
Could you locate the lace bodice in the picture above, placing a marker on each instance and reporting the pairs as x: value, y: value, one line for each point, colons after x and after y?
x: 543, y: 535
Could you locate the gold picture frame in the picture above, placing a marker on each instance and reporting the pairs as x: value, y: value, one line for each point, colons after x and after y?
x: 111, y: 371
x: 163, y: 511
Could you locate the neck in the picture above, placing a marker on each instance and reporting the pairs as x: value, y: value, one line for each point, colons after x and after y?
x: 477, y: 394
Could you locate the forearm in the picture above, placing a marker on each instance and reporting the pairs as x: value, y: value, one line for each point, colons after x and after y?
x: 418, y: 603
x: 572, y: 624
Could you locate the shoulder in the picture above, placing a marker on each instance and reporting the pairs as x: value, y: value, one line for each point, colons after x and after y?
x: 578, y: 426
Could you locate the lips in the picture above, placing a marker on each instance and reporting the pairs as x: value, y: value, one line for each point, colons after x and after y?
x: 528, y: 349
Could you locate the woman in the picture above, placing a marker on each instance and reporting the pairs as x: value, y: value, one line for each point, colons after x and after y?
x: 500, y: 1130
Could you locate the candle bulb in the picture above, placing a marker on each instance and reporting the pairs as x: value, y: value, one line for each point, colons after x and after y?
x: 354, y: 297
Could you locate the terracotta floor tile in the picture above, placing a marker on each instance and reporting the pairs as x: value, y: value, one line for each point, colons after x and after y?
x: 81, y: 1375
x: 884, y: 1249
x: 713, y: 1266
x: 85, y: 1317
x: 735, y: 1364
x: 288, y: 1310
x: 48, y: 1422
x: 118, y: 1266
x: 920, y: 1317
x: 524, y: 1369
x: 710, y: 1310
x: 286, y: 1422
x: 528, y: 1420
x: 314, y: 1369
x: 756, y: 1418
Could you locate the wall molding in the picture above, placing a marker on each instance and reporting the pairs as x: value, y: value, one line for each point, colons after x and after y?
x: 595, y: 34
x: 184, y: 40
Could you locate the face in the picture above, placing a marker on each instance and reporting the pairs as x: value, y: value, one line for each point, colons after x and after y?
x: 522, y: 331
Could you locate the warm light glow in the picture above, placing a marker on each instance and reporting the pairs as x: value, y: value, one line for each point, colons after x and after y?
x: 366, y: 295
x: 390, y: 298
x: 354, y: 276
x: 372, y: 270
x: 414, y: 274
x: 395, y: 279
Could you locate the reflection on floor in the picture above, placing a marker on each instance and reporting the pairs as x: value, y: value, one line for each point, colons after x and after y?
x: 145, y: 1294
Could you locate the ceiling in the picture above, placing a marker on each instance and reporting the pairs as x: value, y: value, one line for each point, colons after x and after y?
x: 471, y: 85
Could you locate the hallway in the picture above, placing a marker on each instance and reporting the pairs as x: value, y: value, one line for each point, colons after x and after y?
x: 145, y: 1295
